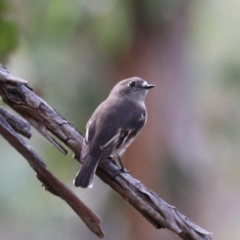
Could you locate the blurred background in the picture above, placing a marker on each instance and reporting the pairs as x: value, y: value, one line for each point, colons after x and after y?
x: 72, y: 53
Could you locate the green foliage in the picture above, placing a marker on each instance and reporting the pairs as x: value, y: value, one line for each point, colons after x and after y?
x: 8, y: 32
x: 52, y: 21
x: 115, y: 28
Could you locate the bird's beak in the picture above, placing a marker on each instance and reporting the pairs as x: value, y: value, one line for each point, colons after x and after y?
x: 149, y: 86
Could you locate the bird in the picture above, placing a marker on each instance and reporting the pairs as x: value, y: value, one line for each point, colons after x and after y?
x: 6, y: 76
x: 113, y: 126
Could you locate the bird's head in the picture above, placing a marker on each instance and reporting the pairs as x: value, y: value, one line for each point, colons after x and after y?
x: 134, y: 88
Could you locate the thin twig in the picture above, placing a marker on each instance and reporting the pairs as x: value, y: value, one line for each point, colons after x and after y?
x: 20, y: 125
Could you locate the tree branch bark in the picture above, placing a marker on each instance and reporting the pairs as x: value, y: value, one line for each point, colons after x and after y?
x: 49, y: 122
x: 51, y: 183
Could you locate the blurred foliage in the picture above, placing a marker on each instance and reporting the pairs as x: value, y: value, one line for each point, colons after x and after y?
x: 114, y: 28
x: 8, y: 32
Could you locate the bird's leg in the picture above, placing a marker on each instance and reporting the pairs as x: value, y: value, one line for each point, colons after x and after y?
x: 122, y: 169
x: 111, y: 158
x: 121, y: 165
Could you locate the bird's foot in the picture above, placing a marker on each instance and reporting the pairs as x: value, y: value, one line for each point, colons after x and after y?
x: 121, y: 168
x: 124, y: 170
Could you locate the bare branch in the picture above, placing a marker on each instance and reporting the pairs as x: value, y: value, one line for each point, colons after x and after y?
x: 20, y: 125
x: 52, y: 184
x: 149, y: 204
x: 152, y: 207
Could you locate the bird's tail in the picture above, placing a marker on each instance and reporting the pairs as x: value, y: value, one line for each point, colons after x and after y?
x: 84, y: 177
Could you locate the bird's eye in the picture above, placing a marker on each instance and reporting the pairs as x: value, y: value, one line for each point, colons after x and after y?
x: 131, y: 84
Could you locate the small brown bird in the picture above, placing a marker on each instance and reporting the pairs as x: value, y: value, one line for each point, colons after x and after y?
x: 113, y: 126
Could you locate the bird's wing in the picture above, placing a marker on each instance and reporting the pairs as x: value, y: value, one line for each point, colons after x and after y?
x: 90, y: 130
x: 106, y: 133
x: 113, y: 142
x: 90, y: 133
x: 125, y: 133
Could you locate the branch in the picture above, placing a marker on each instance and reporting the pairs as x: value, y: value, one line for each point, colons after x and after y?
x: 48, y: 121
x: 49, y: 180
